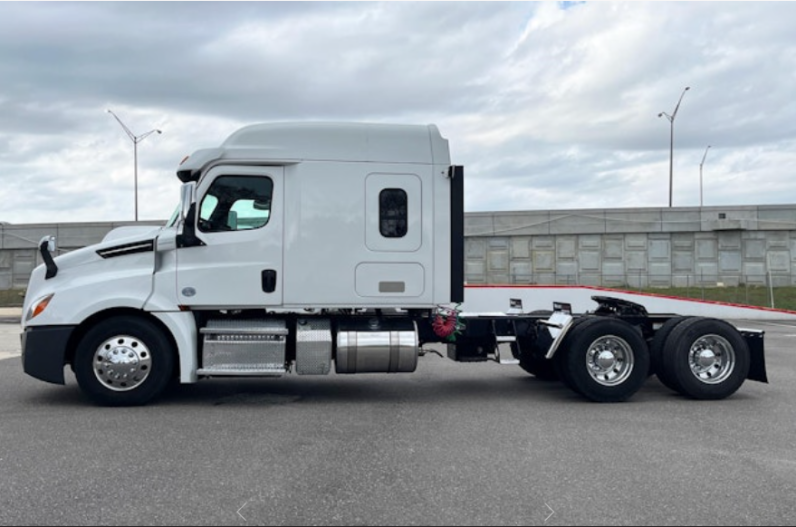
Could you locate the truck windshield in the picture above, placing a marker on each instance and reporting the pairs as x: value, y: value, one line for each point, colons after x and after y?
x: 174, y: 217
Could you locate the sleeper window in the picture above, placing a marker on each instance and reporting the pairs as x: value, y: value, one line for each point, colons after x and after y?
x: 393, y: 213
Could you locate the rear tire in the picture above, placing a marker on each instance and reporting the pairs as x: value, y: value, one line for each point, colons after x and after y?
x: 559, y: 360
x: 706, y: 359
x: 540, y: 368
x: 124, y: 361
x: 658, y: 346
x: 604, y: 359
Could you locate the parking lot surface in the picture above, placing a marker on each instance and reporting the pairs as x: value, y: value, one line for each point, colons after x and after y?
x: 464, y: 444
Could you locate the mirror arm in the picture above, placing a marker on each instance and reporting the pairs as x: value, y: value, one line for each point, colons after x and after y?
x: 188, y: 236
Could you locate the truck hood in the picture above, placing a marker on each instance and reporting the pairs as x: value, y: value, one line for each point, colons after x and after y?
x: 122, y: 262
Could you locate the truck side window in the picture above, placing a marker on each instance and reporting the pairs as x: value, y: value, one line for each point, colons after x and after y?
x: 236, y: 203
x: 393, y: 213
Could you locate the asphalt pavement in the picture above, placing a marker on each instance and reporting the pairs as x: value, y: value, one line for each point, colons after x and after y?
x: 452, y: 444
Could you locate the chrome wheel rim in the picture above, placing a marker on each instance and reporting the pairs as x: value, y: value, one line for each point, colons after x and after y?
x: 610, y: 360
x: 122, y: 363
x: 711, y: 359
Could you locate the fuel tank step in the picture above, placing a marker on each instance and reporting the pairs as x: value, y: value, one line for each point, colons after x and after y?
x: 244, y: 348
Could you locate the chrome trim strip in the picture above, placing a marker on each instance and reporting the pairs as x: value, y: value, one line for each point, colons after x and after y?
x: 128, y: 248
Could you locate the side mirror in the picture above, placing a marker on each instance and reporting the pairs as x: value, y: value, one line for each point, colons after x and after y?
x: 188, y: 209
x: 187, y: 197
x: 50, y: 243
x: 232, y: 220
x: 46, y: 247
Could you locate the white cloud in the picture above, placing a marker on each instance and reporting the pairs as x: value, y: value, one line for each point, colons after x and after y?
x: 546, y: 105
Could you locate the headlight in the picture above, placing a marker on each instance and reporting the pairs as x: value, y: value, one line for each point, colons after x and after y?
x: 38, y: 307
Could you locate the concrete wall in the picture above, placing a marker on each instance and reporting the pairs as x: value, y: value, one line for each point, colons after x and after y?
x: 633, y: 247
x: 680, y: 246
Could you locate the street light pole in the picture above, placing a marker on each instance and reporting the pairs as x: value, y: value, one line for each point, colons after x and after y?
x: 700, y: 175
x: 135, y: 139
x: 671, y: 141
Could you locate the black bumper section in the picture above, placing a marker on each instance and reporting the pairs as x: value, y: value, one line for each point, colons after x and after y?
x: 44, y: 352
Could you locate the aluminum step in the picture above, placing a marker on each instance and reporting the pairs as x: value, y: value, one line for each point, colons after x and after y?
x: 504, y: 356
x: 232, y: 371
x: 277, y: 331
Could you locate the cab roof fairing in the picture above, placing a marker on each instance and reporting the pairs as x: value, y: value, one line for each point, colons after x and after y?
x: 351, y: 142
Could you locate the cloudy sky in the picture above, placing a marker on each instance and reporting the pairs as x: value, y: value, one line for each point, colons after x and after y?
x: 549, y: 105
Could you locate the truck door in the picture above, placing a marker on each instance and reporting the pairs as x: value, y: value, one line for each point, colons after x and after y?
x: 240, y: 221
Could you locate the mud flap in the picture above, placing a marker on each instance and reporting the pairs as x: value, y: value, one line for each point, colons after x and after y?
x: 757, y: 357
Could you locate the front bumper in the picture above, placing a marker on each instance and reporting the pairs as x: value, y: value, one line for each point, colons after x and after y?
x: 44, y: 351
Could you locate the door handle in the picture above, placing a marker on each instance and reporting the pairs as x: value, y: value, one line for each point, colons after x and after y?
x: 269, y: 281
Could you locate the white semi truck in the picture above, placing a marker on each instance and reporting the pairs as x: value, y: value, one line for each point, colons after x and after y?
x: 311, y: 246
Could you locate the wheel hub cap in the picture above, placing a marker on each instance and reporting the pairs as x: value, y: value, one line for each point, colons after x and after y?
x: 606, y: 360
x: 712, y: 359
x: 706, y: 358
x: 122, y: 363
x: 610, y: 360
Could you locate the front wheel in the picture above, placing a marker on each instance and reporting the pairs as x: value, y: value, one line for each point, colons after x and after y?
x: 124, y: 361
x: 604, y: 359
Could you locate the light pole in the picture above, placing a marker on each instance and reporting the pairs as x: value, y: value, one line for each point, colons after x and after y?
x: 700, y: 175
x: 671, y: 141
x: 135, y: 139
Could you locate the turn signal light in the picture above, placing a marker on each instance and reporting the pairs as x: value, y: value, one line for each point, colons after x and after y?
x: 39, y: 306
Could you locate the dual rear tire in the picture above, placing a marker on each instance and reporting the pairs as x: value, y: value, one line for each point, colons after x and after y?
x: 603, y: 359
x: 608, y: 360
x: 703, y: 358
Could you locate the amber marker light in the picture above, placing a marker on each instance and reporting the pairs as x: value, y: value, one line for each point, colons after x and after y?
x: 39, y: 306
